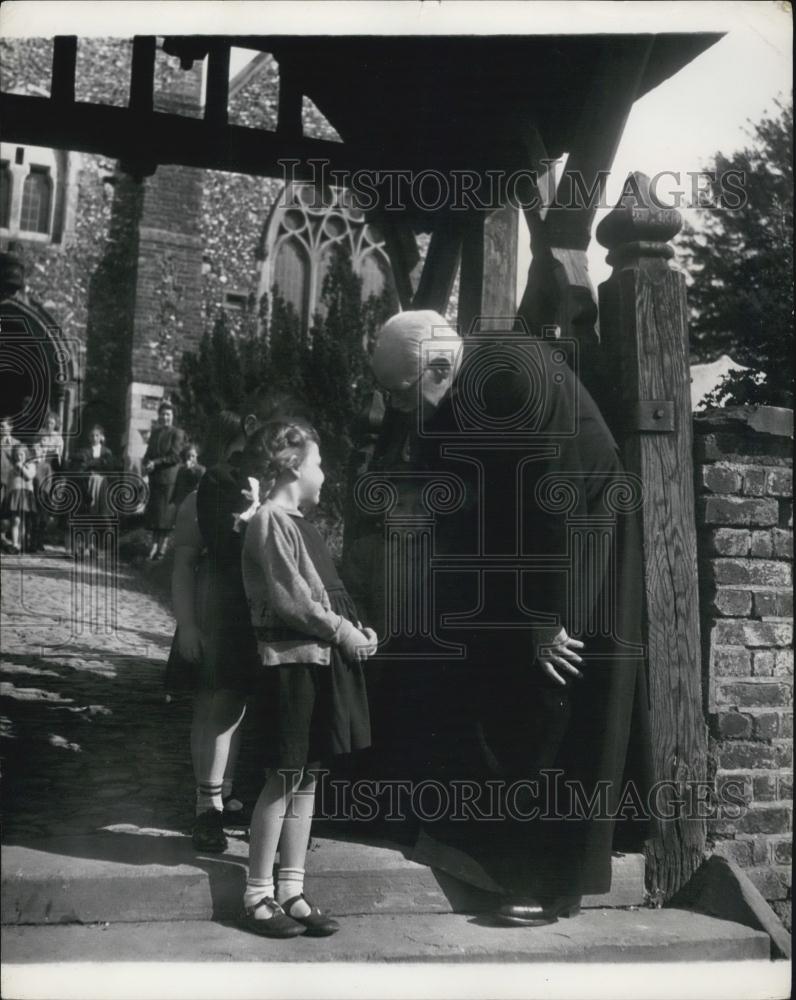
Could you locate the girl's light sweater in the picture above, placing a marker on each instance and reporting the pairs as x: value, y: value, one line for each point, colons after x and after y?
x: 290, y: 609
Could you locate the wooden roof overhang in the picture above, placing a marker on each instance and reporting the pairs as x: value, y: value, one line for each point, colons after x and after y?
x: 398, y: 103
x: 485, y: 105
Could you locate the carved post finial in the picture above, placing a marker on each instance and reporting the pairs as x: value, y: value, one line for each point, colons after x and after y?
x: 639, y: 226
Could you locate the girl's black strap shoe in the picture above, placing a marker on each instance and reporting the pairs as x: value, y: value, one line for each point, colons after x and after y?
x: 317, y: 923
x: 278, y: 925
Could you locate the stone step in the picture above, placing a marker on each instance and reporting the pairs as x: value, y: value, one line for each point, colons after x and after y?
x: 130, y: 874
x: 598, y: 935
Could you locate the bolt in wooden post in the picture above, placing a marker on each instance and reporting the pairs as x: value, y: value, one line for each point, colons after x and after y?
x: 645, y: 336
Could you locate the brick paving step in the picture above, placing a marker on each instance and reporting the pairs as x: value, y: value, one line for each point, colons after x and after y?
x: 598, y: 935
x: 132, y: 874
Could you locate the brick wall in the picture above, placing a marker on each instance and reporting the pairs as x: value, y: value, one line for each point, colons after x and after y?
x: 745, y: 521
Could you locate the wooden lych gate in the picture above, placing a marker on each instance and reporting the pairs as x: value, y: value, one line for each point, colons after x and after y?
x: 481, y: 120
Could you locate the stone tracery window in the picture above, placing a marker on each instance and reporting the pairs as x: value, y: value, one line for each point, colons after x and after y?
x: 300, y: 235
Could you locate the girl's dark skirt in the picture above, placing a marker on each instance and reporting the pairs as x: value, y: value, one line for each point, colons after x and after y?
x: 229, y: 649
x: 21, y: 502
x: 313, y: 712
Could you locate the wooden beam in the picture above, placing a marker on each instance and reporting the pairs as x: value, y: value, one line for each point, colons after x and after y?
x: 439, y: 268
x: 116, y: 132
x: 559, y: 290
x: 401, y: 246
x: 62, y: 84
x: 289, y: 123
x: 142, y: 74
x: 217, y: 93
x: 614, y: 88
x: 191, y: 142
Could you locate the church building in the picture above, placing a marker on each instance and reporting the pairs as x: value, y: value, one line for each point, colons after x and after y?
x: 110, y: 271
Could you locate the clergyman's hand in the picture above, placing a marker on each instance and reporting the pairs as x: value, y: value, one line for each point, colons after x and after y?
x: 559, y: 658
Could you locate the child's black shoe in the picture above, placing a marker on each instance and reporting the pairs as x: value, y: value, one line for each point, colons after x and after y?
x: 318, y: 923
x: 208, y: 832
x: 278, y: 925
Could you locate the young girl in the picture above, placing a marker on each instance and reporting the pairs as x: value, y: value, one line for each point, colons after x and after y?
x: 309, y: 637
x: 21, y: 501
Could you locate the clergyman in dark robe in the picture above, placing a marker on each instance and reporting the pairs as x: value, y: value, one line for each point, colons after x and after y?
x: 534, y: 576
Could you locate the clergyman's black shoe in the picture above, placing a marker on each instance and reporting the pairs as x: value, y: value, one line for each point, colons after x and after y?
x: 530, y: 912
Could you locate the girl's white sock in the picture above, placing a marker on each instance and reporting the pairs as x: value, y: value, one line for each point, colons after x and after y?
x: 289, y: 883
x: 256, y: 888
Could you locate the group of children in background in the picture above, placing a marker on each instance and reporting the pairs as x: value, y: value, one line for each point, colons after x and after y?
x: 27, y: 473
x: 31, y: 467
x: 261, y: 610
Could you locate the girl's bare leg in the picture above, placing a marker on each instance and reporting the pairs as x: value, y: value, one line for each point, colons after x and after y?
x: 293, y: 844
x: 220, y: 716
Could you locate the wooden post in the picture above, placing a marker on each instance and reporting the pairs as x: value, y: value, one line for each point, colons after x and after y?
x: 645, y: 338
x: 488, y: 280
x: 471, y: 276
x: 439, y: 267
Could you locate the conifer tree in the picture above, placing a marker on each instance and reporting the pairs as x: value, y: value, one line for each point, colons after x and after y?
x: 328, y: 368
x: 740, y: 268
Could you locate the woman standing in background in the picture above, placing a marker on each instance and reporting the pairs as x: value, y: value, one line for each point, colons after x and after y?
x: 161, y: 464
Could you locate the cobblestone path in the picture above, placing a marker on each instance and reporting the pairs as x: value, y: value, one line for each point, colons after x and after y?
x: 89, y: 740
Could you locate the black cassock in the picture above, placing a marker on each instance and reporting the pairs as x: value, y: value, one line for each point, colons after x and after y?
x: 546, y: 533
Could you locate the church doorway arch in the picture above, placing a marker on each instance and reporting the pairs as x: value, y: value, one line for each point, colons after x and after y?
x: 38, y: 370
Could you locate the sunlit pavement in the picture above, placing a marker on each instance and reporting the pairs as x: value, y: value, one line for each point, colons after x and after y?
x: 88, y: 738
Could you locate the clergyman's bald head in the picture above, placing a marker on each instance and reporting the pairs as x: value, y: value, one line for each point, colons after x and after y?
x: 408, y: 343
x: 415, y: 358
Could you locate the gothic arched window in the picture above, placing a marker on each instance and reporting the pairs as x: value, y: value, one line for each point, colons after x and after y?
x: 291, y: 275
x: 37, y: 193
x: 300, y: 235
x: 34, y: 215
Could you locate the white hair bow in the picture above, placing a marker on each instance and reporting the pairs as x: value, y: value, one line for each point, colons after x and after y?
x: 252, y: 494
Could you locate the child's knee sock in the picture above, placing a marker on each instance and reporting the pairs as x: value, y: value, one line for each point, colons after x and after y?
x: 290, y: 883
x: 256, y: 888
x: 208, y: 796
